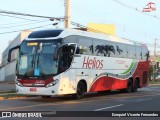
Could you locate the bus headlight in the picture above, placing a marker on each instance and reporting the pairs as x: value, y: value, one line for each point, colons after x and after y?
x: 19, y: 84
x: 52, y: 83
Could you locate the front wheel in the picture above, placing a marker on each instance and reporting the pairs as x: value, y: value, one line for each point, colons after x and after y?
x: 80, y: 91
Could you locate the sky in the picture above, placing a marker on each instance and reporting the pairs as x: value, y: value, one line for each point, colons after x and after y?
x: 130, y: 23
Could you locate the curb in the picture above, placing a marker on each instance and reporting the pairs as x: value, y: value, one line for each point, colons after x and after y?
x: 154, y: 85
x: 11, y: 96
x: 7, y: 91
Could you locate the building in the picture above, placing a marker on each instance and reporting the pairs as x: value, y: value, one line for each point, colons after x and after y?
x: 7, y: 70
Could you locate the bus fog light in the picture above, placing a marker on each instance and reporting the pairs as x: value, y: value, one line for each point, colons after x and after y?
x: 19, y: 84
x: 52, y: 83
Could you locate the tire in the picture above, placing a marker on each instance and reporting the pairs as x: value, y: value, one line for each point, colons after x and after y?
x: 80, y: 91
x: 104, y: 92
x: 46, y: 96
x: 135, y: 88
x: 129, y: 87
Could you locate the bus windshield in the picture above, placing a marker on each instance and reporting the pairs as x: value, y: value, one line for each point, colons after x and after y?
x: 35, y: 58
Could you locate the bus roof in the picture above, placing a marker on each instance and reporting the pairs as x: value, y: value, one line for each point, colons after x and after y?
x: 62, y: 33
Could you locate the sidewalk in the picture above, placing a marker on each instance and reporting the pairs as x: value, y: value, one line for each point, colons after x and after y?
x: 7, y: 86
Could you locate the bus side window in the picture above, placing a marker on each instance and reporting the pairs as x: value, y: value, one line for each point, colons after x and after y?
x: 85, y: 46
x: 138, y: 53
x: 131, y: 51
x: 78, y: 50
x: 99, y: 47
x: 110, y: 49
x: 121, y: 50
x: 145, y: 53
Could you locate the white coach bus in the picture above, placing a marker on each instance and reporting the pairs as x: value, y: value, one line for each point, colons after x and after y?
x: 68, y: 61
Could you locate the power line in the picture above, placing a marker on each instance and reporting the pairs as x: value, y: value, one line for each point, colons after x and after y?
x: 124, y: 29
x: 136, y: 9
x: 29, y: 15
x: 23, y: 24
x: 94, y: 30
x: 17, y: 23
x: 25, y: 29
x: 18, y: 17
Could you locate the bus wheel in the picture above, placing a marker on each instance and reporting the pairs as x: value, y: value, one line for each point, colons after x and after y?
x: 129, y: 87
x: 135, y: 88
x: 46, y: 96
x: 80, y: 91
x: 104, y: 92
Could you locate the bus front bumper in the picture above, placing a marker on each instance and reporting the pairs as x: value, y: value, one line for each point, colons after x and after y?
x: 36, y: 90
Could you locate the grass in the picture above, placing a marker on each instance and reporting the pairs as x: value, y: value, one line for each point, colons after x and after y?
x: 154, y: 82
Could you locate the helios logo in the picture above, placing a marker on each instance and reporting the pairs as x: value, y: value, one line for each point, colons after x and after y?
x: 92, y: 63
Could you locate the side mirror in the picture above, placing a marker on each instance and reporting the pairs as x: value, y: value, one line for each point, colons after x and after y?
x: 55, y: 57
x: 10, y: 52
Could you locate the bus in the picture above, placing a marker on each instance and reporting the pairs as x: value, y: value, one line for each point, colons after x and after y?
x: 69, y: 61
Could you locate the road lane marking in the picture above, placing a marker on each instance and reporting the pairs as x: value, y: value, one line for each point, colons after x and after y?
x: 109, y: 107
x: 74, y: 102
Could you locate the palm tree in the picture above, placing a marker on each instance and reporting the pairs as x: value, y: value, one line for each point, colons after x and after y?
x: 119, y: 50
x: 100, y: 49
x: 147, y: 55
x: 108, y: 49
x: 91, y: 48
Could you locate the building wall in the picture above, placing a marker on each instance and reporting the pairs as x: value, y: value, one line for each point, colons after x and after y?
x: 7, y: 71
x: 10, y: 71
x: 102, y: 28
x: 2, y: 73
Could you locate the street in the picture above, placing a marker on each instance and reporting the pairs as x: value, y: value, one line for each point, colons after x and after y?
x: 146, y: 99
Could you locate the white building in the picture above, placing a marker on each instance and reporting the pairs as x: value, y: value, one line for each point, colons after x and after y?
x: 7, y: 70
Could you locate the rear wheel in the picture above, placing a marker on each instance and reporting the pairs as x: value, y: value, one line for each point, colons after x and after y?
x: 80, y: 91
x: 135, y: 88
x: 129, y: 87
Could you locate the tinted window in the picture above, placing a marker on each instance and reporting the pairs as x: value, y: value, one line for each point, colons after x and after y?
x: 145, y: 53
x: 71, y: 39
x: 85, y: 46
x: 138, y: 53
x: 121, y: 50
x: 110, y: 49
x: 99, y: 47
x: 131, y: 51
x: 45, y: 34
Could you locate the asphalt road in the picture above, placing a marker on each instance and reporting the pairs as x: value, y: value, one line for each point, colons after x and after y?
x: 146, y: 99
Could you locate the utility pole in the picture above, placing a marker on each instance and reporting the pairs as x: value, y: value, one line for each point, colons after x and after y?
x: 67, y: 14
x: 155, y: 50
x: 154, y: 66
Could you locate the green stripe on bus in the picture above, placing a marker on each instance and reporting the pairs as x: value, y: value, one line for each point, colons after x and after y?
x: 129, y: 69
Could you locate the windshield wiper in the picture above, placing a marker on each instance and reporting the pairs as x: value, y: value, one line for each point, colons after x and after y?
x: 38, y: 60
x: 32, y: 62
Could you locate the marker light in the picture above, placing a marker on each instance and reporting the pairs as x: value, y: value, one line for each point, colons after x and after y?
x: 52, y: 83
x: 19, y: 84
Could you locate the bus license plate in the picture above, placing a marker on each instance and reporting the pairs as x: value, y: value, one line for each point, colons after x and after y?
x: 33, y: 89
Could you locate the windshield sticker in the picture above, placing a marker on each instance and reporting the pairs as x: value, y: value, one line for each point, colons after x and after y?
x: 36, y: 72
